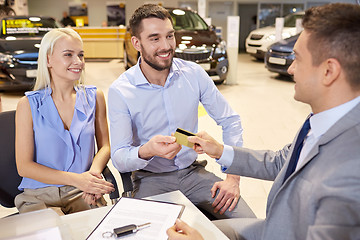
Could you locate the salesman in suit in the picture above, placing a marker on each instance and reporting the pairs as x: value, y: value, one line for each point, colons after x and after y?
x: 316, y: 189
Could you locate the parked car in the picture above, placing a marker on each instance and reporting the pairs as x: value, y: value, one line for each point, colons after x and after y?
x: 259, y: 40
x: 280, y: 55
x: 195, y: 41
x: 19, y: 45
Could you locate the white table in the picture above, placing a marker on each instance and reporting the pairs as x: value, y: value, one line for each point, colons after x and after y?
x: 79, y: 225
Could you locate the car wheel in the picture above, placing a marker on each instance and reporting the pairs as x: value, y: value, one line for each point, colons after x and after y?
x: 10, y: 12
x: 218, y: 82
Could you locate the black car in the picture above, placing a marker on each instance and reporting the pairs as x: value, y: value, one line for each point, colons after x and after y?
x: 19, y: 46
x: 280, y: 55
x: 195, y: 41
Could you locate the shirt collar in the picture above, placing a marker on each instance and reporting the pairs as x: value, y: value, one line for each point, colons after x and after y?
x: 140, y: 79
x: 323, y: 121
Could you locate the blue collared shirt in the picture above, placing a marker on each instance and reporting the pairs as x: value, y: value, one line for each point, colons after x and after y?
x: 139, y: 110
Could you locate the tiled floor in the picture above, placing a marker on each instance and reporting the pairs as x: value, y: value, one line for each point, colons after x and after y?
x: 270, y: 115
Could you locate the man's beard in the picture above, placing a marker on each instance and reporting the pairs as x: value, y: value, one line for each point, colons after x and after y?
x: 152, y: 63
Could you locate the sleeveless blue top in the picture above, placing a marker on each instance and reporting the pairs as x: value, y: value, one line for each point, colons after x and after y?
x: 55, y: 147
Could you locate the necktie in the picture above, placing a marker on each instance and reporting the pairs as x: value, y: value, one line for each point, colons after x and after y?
x: 297, y: 149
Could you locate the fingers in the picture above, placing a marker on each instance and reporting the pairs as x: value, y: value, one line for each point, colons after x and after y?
x: 213, y: 189
x: 227, y: 197
x: 89, y: 198
x: 197, y: 139
x: 171, y: 232
x: 164, y: 139
x: 233, y: 204
x: 182, y: 226
x: 225, y: 206
x: 183, y: 231
x: 164, y: 146
x: 225, y: 202
x: 91, y: 184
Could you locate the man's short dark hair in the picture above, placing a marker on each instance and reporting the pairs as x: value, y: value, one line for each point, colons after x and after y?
x: 335, y: 33
x: 146, y: 11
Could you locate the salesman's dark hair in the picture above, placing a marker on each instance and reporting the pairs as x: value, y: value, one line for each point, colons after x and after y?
x: 335, y: 33
x: 146, y: 11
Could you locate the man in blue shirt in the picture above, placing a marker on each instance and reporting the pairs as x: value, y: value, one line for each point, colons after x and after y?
x: 150, y: 101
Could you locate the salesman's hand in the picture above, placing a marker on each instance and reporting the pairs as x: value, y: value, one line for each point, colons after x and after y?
x: 162, y: 146
x: 206, y: 144
x: 182, y: 231
x: 228, y: 194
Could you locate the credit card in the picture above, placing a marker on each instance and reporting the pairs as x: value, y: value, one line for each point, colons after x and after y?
x: 181, y: 136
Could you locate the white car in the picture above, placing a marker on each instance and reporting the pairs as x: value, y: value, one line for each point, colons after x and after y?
x: 260, y: 39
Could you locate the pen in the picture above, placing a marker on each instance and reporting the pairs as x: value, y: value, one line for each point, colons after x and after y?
x: 129, y: 229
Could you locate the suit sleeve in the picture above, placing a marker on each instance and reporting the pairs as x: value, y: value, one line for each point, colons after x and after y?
x: 261, y: 164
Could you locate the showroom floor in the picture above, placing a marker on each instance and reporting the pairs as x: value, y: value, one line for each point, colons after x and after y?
x: 270, y: 116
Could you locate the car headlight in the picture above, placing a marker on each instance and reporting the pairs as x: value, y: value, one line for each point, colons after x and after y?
x: 271, y: 37
x: 6, y: 58
x: 221, y: 48
x: 292, y: 56
x: 285, y: 35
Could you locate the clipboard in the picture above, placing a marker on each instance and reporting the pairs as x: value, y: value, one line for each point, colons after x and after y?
x: 161, y: 215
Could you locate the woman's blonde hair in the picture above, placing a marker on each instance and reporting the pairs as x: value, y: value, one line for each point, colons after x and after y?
x: 46, y: 48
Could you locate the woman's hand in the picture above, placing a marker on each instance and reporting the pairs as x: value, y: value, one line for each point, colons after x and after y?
x: 92, y: 183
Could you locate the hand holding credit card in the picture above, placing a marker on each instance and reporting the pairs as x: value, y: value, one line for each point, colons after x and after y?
x: 181, y: 136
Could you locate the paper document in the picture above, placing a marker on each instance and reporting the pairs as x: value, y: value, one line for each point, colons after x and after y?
x: 161, y: 215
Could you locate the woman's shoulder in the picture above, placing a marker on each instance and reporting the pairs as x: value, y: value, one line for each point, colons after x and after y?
x: 36, y: 93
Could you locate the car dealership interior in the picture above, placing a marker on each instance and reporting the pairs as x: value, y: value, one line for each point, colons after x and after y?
x: 262, y: 96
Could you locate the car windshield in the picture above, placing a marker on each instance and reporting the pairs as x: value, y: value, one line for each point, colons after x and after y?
x: 187, y: 20
x: 27, y: 27
x: 290, y: 20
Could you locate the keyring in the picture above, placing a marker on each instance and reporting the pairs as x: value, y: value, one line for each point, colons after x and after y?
x: 107, y: 234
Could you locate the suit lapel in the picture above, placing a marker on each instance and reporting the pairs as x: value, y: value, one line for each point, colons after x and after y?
x: 348, y: 121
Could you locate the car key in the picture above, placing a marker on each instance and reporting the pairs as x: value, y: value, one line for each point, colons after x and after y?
x: 129, y: 229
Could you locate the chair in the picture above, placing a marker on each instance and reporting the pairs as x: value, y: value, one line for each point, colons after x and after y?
x: 9, y: 177
x: 127, y: 184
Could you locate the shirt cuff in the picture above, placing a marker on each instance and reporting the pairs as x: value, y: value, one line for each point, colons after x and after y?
x: 226, y: 158
x: 141, y: 163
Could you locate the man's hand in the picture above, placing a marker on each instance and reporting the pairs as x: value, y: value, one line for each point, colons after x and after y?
x: 204, y: 143
x: 229, y: 194
x: 162, y: 146
x: 182, y: 231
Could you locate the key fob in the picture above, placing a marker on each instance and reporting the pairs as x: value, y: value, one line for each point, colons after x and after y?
x: 125, y: 230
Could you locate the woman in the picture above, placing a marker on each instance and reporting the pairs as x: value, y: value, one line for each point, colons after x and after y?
x: 56, y: 128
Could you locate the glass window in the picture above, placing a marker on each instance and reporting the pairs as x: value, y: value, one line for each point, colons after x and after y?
x: 268, y: 13
x: 292, y: 8
x: 290, y: 20
x: 187, y: 20
x: 315, y: 4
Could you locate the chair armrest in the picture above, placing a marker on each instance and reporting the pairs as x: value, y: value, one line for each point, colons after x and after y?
x: 110, y: 178
x: 127, y: 184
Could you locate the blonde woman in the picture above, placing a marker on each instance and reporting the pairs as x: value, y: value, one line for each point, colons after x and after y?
x: 56, y: 127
